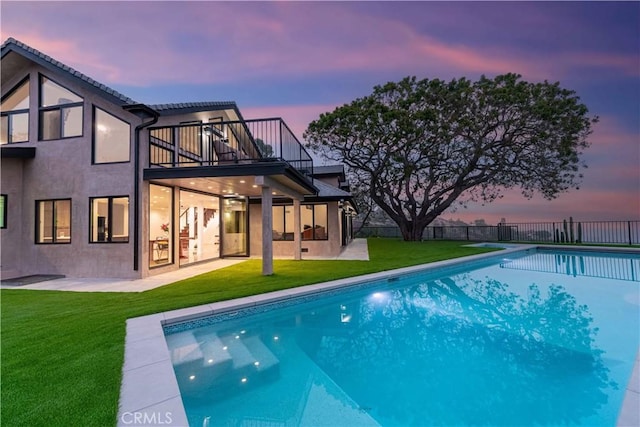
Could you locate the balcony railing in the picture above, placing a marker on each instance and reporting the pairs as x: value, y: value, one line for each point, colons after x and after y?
x: 227, y: 142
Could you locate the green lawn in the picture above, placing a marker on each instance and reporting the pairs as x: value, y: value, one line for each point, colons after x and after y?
x: 62, y: 352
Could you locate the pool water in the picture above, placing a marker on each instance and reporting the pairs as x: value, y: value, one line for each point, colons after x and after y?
x: 542, y: 338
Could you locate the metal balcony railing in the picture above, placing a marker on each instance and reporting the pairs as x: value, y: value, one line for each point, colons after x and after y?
x: 227, y: 142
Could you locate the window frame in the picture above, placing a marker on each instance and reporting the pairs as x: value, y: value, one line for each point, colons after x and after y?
x: 3, y: 211
x: 59, y: 108
x: 109, y: 219
x: 54, y: 238
x: 93, y: 137
x: 9, y: 114
x: 313, y: 222
x: 284, y: 224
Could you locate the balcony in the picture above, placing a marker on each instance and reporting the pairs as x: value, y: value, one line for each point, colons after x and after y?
x: 225, y: 143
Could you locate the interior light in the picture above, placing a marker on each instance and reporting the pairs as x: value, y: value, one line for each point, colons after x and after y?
x: 210, y: 360
x: 276, y: 338
x: 244, y: 380
x: 254, y: 186
x: 192, y: 377
x: 243, y: 331
x: 237, y: 336
x: 102, y: 128
x: 192, y: 182
x: 256, y: 363
x: 242, y: 181
x: 225, y: 348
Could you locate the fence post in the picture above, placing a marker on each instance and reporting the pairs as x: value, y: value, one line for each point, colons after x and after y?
x: 467, y: 232
x: 629, y: 228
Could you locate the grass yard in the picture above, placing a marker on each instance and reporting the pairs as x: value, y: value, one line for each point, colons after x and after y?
x: 62, y: 352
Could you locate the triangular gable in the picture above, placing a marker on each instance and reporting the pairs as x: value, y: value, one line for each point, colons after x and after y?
x: 34, y: 55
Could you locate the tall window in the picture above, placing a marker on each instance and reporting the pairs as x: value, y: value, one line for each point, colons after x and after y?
x: 53, y: 221
x: 109, y: 219
x: 14, y: 119
x: 283, y: 222
x: 3, y: 211
x: 111, y: 138
x: 60, y: 111
x: 160, y: 225
x: 314, y: 222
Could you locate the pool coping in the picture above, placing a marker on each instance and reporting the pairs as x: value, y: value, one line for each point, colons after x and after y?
x: 149, y: 393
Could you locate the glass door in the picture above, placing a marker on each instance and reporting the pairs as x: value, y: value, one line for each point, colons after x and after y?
x: 235, y: 227
x: 198, y: 227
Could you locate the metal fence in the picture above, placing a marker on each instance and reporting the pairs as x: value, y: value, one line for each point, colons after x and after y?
x: 594, y: 232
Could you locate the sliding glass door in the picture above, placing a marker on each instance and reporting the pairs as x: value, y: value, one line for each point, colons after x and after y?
x: 235, y: 227
x: 198, y: 227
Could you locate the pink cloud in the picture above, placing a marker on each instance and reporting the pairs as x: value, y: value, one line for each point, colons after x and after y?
x: 627, y: 64
x: 262, y: 40
x: 273, y: 40
x: 581, y: 205
x: 297, y: 117
x: 70, y: 53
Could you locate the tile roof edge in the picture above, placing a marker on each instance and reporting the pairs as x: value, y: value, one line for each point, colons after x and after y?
x: 7, y: 44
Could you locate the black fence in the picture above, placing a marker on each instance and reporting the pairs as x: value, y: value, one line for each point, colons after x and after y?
x: 591, y: 232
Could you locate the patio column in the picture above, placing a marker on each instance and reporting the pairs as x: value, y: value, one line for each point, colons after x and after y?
x: 267, y: 231
x: 297, y: 235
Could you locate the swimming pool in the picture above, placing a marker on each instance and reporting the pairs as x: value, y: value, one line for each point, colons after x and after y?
x: 533, y: 337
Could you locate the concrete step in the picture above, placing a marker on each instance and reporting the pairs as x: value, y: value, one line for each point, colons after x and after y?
x: 184, y: 348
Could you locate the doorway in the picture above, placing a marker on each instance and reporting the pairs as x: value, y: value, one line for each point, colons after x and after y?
x: 198, y: 227
x: 235, y: 221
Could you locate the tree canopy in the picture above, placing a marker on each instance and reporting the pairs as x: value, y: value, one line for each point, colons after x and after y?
x: 418, y: 146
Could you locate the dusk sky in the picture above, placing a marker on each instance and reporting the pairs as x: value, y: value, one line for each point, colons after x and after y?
x: 296, y: 60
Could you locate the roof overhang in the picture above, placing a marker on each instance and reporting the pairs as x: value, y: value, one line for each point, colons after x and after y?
x: 17, y: 152
x: 236, y: 180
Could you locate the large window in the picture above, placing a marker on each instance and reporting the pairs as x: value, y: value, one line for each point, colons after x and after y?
x: 14, y: 119
x: 53, y: 221
x: 3, y: 211
x: 283, y: 222
x: 111, y: 138
x: 314, y: 222
x: 160, y: 225
x: 109, y: 219
x: 60, y: 111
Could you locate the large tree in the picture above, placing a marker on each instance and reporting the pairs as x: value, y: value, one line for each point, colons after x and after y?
x: 421, y: 145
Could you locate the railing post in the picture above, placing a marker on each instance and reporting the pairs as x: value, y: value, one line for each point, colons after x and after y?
x: 176, y: 147
x: 629, y: 228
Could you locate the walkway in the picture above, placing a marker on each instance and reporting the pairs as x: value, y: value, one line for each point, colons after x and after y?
x: 357, y: 250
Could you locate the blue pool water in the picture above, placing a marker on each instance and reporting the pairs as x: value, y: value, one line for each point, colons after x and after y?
x: 542, y: 338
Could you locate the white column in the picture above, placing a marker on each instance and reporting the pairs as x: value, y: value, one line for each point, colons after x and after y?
x: 297, y: 236
x: 267, y: 231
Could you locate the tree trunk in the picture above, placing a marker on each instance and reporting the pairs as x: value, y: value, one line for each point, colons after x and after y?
x: 412, y: 231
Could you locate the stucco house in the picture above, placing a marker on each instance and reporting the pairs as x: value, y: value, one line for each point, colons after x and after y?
x: 95, y: 184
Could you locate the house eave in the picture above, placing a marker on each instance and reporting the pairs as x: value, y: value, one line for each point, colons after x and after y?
x: 17, y: 152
